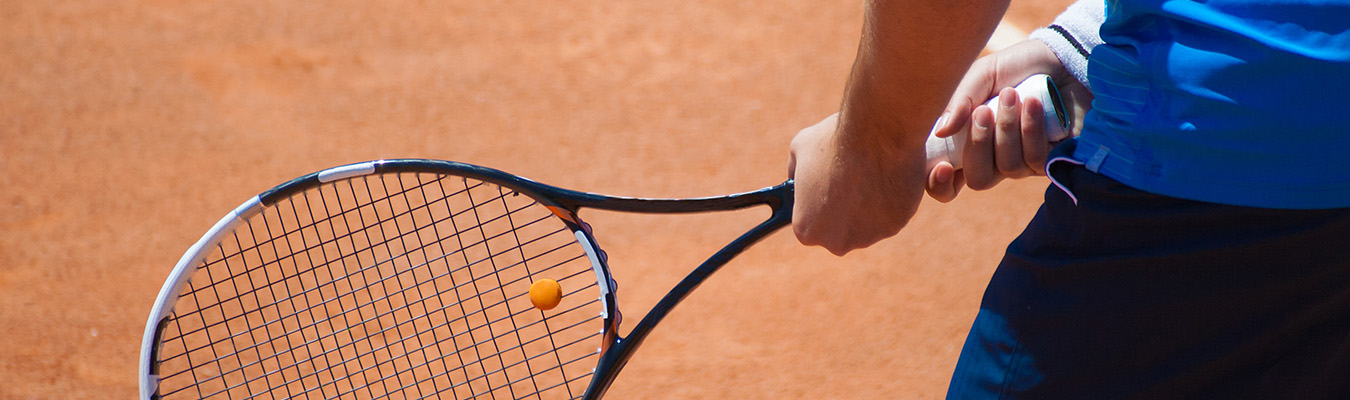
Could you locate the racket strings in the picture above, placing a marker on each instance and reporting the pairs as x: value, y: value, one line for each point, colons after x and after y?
x: 396, y: 290
x: 591, y: 336
x: 273, y: 237
x: 518, y: 295
x: 427, y: 330
x: 513, y: 329
x: 381, y: 280
x: 531, y: 375
x: 377, y: 316
x: 363, y: 269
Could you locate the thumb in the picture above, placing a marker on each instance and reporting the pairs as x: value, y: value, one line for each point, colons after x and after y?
x: 944, y: 182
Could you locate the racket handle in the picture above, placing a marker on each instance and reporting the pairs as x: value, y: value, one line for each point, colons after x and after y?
x: 1040, y: 86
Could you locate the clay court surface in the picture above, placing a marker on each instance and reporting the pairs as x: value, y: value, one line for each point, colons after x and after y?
x: 128, y: 128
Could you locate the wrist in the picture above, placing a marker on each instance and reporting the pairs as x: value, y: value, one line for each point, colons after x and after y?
x: 868, y: 134
x: 1073, y: 35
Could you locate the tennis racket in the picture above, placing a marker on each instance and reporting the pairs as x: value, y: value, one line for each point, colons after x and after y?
x: 409, y: 279
x: 1040, y: 86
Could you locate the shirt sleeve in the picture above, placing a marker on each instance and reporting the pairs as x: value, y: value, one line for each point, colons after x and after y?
x: 1073, y: 34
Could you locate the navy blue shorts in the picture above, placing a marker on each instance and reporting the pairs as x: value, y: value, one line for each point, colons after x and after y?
x: 1128, y: 294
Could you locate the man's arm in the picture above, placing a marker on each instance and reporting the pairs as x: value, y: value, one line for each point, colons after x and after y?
x: 910, y: 58
x: 860, y: 180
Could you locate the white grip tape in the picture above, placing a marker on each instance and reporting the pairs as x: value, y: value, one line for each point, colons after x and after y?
x: 949, y: 149
x: 347, y: 171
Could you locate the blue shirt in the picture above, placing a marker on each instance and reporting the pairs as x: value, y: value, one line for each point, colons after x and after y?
x: 1242, y: 102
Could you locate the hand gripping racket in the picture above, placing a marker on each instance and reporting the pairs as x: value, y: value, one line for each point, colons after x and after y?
x: 408, y: 279
x: 1039, y: 86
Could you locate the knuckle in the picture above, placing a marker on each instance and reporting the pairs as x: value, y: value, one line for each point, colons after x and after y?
x: 804, y: 235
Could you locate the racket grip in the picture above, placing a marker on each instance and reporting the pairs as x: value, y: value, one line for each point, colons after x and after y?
x: 1040, y: 86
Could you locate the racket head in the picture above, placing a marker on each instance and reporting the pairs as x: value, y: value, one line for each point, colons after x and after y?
x: 399, y: 277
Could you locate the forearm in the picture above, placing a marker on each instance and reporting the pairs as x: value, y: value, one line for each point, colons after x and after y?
x: 910, y: 58
x: 859, y: 179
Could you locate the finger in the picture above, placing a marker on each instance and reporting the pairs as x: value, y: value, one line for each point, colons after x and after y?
x: 979, y: 167
x: 956, y: 117
x: 942, y: 182
x: 975, y: 88
x: 1008, y: 136
x: 1035, y: 145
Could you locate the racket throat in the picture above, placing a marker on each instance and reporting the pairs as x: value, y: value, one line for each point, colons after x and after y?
x: 616, y: 354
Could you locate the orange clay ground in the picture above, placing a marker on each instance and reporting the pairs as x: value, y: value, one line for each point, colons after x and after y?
x: 127, y: 128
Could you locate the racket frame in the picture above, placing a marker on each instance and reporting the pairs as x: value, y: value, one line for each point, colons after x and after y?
x: 615, y: 351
